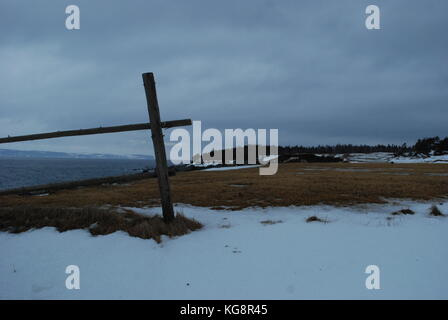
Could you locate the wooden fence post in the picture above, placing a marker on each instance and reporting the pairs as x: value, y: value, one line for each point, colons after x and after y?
x: 159, y: 146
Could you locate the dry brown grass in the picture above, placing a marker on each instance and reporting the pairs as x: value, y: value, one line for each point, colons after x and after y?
x: 435, y: 211
x: 97, y: 221
x: 267, y: 222
x: 294, y: 184
x: 316, y: 219
x: 403, y: 211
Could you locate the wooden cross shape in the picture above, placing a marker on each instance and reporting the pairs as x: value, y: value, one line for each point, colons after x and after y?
x: 157, y: 138
x: 159, y: 146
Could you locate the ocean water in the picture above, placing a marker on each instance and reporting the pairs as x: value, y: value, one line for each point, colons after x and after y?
x: 23, y: 172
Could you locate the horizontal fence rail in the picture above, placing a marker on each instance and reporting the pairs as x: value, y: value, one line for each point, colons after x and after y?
x: 100, y: 130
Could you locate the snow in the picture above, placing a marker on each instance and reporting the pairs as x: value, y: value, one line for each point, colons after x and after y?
x: 369, y: 157
x: 236, y: 257
x: 268, y: 158
x: 389, y: 157
x: 207, y: 163
x: 215, y: 165
x: 430, y: 159
x: 375, y: 157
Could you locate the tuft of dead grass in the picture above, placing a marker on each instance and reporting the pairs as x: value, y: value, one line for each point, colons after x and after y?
x: 403, y: 211
x: 266, y: 222
x: 316, y: 219
x: 435, y: 211
x: 97, y: 221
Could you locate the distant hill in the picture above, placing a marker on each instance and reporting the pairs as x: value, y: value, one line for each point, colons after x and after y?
x: 8, y: 153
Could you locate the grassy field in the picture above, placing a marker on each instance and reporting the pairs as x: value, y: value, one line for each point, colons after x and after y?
x: 96, y: 221
x: 294, y: 184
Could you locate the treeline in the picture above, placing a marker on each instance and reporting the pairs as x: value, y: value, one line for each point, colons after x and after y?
x: 345, y: 148
x: 426, y: 145
x: 422, y: 146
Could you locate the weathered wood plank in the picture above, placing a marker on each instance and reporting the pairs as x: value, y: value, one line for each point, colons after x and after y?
x: 159, y: 146
x: 100, y: 130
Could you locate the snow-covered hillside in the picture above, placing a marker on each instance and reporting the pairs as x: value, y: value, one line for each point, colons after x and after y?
x: 376, y: 157
x: 270, y: 253
x: 389, y: 157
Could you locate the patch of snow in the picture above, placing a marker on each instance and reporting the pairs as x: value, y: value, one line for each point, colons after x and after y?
x: 368, y: 157
x: 268, y: 158
x: 389, y: 157
x: 235, y: 256
x: 207, y: 163
x: 430, y: 159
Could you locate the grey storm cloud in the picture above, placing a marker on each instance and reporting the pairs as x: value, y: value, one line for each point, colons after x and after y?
x: 309, y: 68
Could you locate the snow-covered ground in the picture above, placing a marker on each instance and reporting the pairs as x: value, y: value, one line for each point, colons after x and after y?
x: 378, y: 157
x: 235, y: 256
x: 430, y: 159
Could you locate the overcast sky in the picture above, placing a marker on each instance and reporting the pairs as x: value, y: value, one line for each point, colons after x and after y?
x: 309, y: 68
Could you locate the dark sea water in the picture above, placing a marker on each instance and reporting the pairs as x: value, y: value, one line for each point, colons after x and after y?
x: 23, y: 172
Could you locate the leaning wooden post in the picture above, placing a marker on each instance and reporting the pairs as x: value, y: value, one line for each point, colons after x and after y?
x: 159, y: 146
